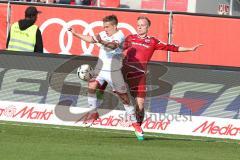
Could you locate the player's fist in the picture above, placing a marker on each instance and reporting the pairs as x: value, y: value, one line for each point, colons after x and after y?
x: 98, y: 38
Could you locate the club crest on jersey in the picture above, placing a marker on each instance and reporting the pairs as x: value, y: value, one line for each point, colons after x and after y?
x: 147, y: 40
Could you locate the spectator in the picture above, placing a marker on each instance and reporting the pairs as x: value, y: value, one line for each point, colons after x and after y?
x: 46, y: 1
x: 63, y: 1
x: 84, y: 2
x: 24, y: 35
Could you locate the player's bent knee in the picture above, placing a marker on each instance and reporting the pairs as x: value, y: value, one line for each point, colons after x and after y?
x: 140, y: 103
x: 92, y: 86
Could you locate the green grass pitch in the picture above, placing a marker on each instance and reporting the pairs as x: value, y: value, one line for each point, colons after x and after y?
x: 23, y: 141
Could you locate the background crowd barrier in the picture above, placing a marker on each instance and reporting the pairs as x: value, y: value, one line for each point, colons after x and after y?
x: 218, y: 34
x: 185, y: 99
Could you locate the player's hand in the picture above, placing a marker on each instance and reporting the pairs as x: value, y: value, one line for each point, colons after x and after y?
x: 98, y: 38
x: 196, y: 47
x: 72, y: 30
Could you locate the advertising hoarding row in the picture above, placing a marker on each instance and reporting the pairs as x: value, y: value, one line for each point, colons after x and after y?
x: 181, y: 99
x: 115, y: 119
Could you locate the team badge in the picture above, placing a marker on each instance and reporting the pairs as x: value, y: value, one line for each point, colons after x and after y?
x: 147, y: 40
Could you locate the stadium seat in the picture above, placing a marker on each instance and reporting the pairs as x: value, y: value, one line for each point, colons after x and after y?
x: 152, y: 4
x: 64, y: 1
x: 108, y: 3
x: 171, y: 5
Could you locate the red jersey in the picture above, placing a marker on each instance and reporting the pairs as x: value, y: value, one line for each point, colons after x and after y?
x: 140, y: 50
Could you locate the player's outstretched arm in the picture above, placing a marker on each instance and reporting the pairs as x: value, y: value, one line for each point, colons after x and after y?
x: 184, y: 49
x: 82, y: 37
x: 112, y: 45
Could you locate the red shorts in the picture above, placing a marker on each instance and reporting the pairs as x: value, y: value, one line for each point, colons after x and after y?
x: 136, y: 81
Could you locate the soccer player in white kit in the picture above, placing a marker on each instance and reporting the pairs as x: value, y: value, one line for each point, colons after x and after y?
x: 109, y: 66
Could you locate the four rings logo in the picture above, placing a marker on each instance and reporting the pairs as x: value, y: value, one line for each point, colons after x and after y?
x: 88, y: 30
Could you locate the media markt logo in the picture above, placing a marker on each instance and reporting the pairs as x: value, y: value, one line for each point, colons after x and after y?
x: 120, y: 120
x: 9, y: 111
x: 212, y: 128
x: 25, y: 112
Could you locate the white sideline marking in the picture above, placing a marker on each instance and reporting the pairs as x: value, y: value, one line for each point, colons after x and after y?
x: 115, y: 132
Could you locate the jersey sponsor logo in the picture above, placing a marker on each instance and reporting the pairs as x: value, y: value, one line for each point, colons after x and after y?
x: 140, y: 44
x: 147, y: 40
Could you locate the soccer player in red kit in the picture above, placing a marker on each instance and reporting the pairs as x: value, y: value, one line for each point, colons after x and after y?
x: 139, y: 49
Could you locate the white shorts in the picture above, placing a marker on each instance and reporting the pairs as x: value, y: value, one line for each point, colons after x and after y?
x: 114, y: 79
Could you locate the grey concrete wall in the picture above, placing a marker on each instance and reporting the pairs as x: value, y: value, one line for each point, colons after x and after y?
x: 209, y: 6
x: 236, y: 8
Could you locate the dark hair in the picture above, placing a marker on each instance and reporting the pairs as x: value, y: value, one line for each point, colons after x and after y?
x: 147, y: 19
x: 31, y: 12
x: 111, y: 18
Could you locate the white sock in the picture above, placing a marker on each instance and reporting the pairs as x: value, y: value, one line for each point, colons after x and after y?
x: 92, y: 101
x: 130, y: 110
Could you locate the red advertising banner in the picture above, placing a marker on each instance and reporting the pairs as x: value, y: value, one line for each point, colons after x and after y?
x: 219, y: 36
x: 3, y: 25
x: 54, y: 21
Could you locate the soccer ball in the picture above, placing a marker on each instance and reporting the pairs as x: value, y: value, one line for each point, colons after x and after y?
x: 85, y: 72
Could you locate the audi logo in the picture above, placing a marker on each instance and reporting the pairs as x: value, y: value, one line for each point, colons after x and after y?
x: 88, y: 30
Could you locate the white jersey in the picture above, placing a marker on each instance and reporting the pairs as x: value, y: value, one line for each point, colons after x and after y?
x: 110, y: 60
